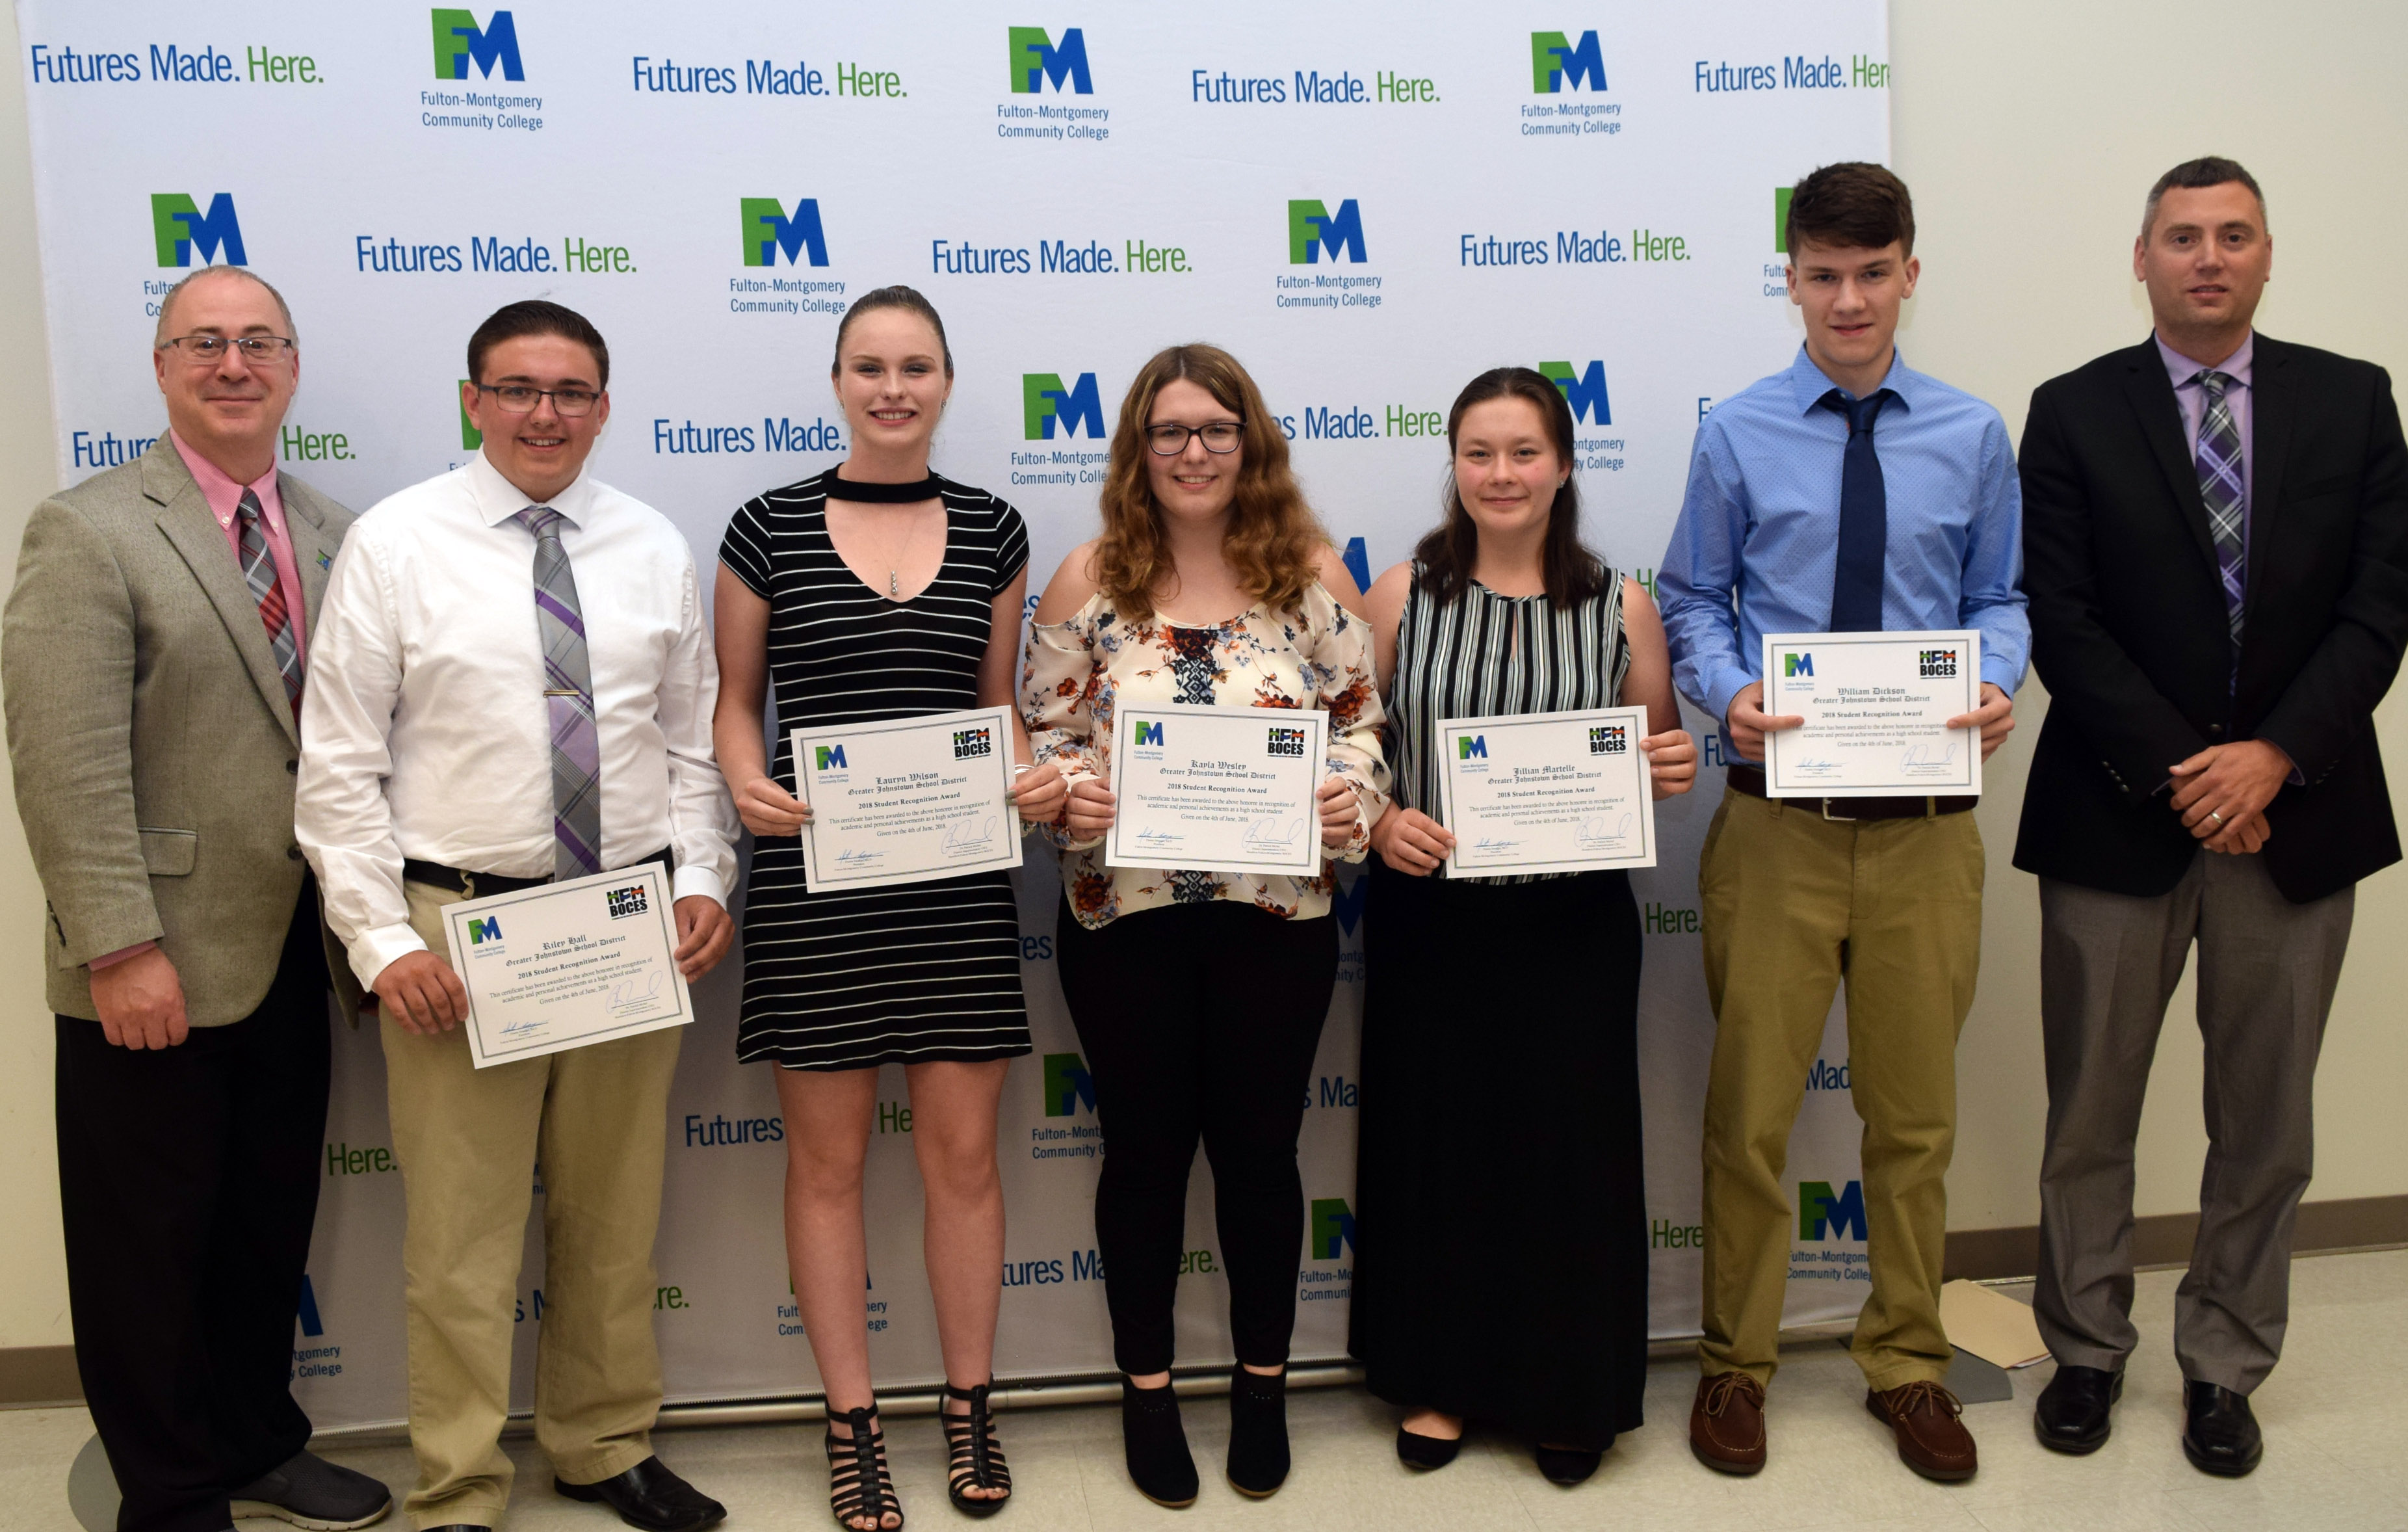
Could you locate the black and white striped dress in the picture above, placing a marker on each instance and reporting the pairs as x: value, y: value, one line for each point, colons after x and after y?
x: 907, y: 975
x: 1485, y: 655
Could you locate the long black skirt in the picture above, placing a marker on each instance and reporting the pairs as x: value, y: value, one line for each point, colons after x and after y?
x: 1500, y: 1224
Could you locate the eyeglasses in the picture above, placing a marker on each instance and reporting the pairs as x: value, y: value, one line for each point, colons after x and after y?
x: 520, y: 399
x: 1222, y: 437
x: 209, y: 351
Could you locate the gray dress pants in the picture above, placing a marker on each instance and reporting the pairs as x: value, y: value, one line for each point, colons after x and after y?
x: 2109, y: 963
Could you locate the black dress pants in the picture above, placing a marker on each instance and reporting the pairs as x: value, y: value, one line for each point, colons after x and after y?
x: 1199, y: 1022
x: 188, y: 1181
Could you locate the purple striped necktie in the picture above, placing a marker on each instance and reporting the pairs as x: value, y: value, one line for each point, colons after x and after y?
x: 2221, y: 485
x: 569, y: 693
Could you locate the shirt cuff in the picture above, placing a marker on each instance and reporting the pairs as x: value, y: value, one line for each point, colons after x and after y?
x: 1726, y: 683
x: 374, y: 949
x: 111, y: 959
x: 695, y: 880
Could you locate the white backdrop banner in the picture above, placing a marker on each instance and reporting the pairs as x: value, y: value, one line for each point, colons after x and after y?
x: 1368, y: 204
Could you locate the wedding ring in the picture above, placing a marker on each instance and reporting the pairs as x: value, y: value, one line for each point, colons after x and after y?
x: 2214, y: 815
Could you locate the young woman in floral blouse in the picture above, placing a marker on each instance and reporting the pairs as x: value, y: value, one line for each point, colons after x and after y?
x: 1198, y: 995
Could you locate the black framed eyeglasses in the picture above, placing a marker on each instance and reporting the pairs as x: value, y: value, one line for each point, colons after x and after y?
x: 521, y: 398
x: 1222, y: 437
x: 209, y: 351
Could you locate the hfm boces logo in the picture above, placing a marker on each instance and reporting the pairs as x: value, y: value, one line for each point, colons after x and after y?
x: 1558, y: 62
x: 1313, y: 231
x: 769, y: 231
x: 459, y: 42
x: 179, y: 229
x: 1068, y: 1086
x: 1048, y: 409
x: 1585, y: 391
x: 1037, y: 61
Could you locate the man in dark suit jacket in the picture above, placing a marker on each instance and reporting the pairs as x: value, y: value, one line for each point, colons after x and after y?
x: 2216, y: 546
x: 151, y: 652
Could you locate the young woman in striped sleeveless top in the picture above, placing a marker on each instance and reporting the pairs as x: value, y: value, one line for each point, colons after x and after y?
x: 1502, y: 610
x: 874, y: 591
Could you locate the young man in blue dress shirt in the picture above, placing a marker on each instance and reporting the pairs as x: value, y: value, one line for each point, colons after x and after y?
x: 1845, y: 492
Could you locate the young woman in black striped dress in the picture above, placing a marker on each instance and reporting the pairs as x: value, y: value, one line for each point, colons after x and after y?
x: 876, y: 591
x: 1503, y: 610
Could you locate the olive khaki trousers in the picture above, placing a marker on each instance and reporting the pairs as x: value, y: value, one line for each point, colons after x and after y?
x: 470, y: 1142
x: 1795, y: 904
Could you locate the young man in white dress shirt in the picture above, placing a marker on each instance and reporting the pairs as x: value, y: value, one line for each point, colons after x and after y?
x: 512, y: 681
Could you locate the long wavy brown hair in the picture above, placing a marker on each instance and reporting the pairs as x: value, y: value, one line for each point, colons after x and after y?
x: 1274, y: 542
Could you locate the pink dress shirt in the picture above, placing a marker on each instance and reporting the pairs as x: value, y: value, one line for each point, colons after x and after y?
x: 225, y: 497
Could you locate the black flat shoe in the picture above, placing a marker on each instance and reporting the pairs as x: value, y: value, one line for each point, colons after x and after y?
x: 1420, y: 1452
x: 309, y: 1491
x: 975, y: 1457
x: 2219, y: 1433
x: 2074, y: 1413
x: 1568, y: 1465
x: 649, y: 1496
x: 1154, y: 1445
x: 1258, y: 1457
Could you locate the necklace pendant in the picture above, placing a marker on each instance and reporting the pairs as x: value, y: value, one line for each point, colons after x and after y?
x: 895, y: 583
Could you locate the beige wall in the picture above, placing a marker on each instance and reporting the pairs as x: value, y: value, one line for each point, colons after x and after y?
x: 2029, y: 131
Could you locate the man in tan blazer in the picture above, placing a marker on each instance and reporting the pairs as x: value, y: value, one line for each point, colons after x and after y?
x: 151, y: 655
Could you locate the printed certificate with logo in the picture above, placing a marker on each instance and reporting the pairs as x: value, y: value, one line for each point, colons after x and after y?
x: 568, y: 963
x: 1217, y: 789
x: 1876, y: 707
x: 907, y: 800
x: 1546, y: 793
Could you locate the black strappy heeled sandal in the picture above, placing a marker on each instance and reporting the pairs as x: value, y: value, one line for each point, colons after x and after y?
x: 858, y: 1483
x: 976, y: 1456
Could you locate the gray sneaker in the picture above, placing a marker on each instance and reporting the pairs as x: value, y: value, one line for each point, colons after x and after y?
x: 309, y: 1491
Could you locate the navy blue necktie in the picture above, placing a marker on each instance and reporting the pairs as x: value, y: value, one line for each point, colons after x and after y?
x: 1864, y: 518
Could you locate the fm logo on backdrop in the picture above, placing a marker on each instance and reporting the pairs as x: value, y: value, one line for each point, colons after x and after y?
x: 1048, y: 409
x: 1037, y: 61
x: 180, y: 230
x: 459, y: 42
x: 1824, y: 1214
x: 1559, y: 64
x: 1313, y: 231
x: 769, y: 231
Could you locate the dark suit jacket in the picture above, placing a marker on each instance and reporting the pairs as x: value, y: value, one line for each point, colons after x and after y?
x: 2129, y: 629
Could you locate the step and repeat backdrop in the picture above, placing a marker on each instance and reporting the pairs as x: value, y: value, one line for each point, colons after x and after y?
x: 1368, y: 204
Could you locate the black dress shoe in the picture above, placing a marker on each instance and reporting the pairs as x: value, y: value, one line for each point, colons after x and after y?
x: 649, y: 1496
x: 1420, y: 1452
x: 2219, y: 1434
x: 2072, y: 1413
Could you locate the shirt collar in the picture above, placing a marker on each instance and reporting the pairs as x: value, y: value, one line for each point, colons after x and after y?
x: 1810, y: 382
x: 499, y: 499
x: 2182, y: 370
x: 218, y: 488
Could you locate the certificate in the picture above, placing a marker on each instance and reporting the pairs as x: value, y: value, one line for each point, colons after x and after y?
x: 908, y: 799
x: 1546, y: 793
x: 568, y: 963
x: 1217, y: 789
x: 1876, y: 707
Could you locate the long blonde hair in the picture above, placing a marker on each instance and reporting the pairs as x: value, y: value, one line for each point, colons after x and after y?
x: 1274, y: 541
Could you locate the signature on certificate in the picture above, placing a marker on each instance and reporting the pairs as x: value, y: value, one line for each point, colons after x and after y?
x: 859, y: 858
x: 1494, y: 844
x: 1605, y: 833
x: 969, y: 837
x: 1930, y: 757
x: 1269, y: 835
x: 520, y: 1029
x: 624, y: 995
x: 1165, y: 840
x: 1814, y: 765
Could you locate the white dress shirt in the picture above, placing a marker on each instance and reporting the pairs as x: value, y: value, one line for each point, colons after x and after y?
x: 424, y: 729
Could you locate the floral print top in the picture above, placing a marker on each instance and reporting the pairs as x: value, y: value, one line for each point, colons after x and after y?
x: 1077, y: 672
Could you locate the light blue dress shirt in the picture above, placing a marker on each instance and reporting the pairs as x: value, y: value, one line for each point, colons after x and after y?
x: 1757, y: 546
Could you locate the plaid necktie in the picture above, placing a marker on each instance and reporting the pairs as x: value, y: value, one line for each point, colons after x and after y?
x: 2221, y: 485
x: 569, y: 690
x: 275, y: 613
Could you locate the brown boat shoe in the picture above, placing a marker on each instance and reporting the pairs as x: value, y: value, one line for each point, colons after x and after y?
x: 1931, y: 1439
x: 1726, y: 1423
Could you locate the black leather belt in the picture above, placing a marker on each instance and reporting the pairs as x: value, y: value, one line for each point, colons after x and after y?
x: 477, y: 885
x: 1750, y: 780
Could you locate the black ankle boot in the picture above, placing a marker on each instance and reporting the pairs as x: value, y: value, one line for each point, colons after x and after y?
x: 1257, y: 1432
x: 1155, y: 1445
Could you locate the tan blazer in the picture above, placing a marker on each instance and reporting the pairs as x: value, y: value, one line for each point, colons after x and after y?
x: 153, y: 747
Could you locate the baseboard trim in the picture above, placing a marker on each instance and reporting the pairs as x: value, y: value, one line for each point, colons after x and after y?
x: 39, y: 1376
x: 44, y: 1377
x: 2164, y: 1239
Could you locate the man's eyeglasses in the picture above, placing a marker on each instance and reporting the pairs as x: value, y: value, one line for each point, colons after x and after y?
x: 1222, y: 437
x: 209, y: 351
x: 519, y: 398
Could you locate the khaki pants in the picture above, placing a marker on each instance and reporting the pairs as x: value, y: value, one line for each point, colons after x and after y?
x: 469, y: 1141
x: 1794, y: 904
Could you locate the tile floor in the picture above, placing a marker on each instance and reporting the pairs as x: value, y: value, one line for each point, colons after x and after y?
x: 2329, y: 1413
